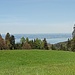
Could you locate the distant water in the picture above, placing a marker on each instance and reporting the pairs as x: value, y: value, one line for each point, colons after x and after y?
x: 51, y: 38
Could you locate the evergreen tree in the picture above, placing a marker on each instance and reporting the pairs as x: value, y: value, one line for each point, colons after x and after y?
x: 31, y: 42
x: 42, y: 45
x: 61, y: 47
x: 37, y: 44
x: 7, y: 40
x: 12, y: 42
x: 7, y: 37
x: 73, y: 45
x: 53, y: 47
x: 22, y: 40
x: 45, y: 44
x: 69, y: 44
x: 27, y: 40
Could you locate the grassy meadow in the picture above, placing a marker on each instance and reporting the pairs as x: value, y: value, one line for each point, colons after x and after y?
x: 36, y: 62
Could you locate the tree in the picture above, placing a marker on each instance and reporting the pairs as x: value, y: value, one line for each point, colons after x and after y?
x: 12, y: 42
x: 53, y: 47
x: 69, y: 44
x: 73, y: 45
x: 37, y: 43
x: 26, y: 46
x: 7, y: 40
x: 2, y: 43
x: 61, y: 47
x: 27, y: 40
x: 22, y: 40
x: 42, y: 45
x: 31, y: 42
x: 7, y: 37
x: 45, y: 44
x: 18, y: 46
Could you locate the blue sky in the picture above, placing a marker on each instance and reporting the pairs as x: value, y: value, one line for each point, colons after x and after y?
x: 37, y: 16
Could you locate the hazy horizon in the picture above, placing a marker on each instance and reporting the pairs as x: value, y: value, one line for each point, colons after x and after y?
x: 37, y: 33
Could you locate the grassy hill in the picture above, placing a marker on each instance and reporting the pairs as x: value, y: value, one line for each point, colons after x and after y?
x: 37, y: 62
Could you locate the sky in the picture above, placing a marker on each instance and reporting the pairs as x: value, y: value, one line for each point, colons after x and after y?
x: 37, y: 16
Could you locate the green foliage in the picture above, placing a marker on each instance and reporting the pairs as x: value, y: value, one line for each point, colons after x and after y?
x: 45, y: 44
x: 12, y: 42
x: 18, y: 46
x: 33, y: 44
x: 37, y: 43
x: 66, y: 46
x: 37, y: 62
x: 27, y: 40
x: 42, y: 45
x: 25, y: 43
x: 22, y: 41
x: 73, y: 45
x: 61, y: 47
x: 69, y: 45
x: 53, y: 47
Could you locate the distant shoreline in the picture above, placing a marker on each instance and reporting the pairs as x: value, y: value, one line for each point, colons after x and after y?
x: 51, y: 38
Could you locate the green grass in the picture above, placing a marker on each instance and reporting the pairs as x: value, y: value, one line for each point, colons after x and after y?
x: 37, y: 62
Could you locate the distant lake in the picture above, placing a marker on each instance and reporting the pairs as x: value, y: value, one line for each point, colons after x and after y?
x: 51, y: 38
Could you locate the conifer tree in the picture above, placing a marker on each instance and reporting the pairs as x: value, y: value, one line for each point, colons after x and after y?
x: 73, y: 45
x: 45, y: 44
x: 7, y: 40
x: 12, y: 42
x: 69, y: 44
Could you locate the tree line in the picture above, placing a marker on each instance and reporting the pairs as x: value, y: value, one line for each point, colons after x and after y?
x: 25, y: 43
x: 69, y: 45
x: 8, y: 43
